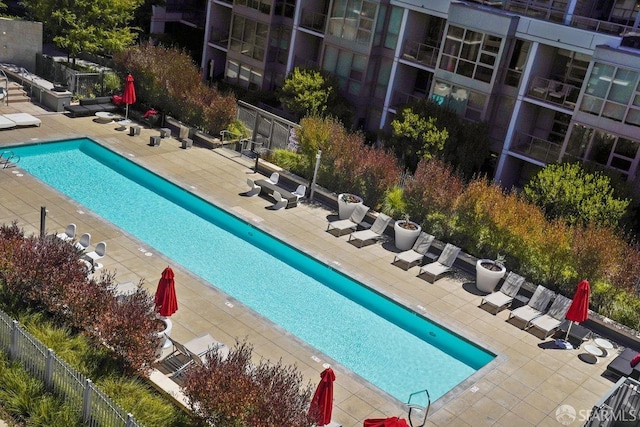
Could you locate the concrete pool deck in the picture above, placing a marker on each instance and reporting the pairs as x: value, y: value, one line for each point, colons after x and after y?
x: 524, y: 386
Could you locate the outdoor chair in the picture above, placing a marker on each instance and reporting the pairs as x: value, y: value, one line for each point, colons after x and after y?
x: 193, y: 351
x: 374, y: 233
x: 535, y: 307
x: 254, y: 189
x: 416, y: 254
x: 550, y: 321
x: 280, y: 203
x: 443, y: 265
x: 274, y: 178
x: 508, y: 291
x: 300, y: 192
x: 96, y: 254
x: 84, y: 242
x: 68, y: 234
x: 356, y: 218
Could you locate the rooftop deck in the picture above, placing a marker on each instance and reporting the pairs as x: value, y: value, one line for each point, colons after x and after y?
x: 525, y: 384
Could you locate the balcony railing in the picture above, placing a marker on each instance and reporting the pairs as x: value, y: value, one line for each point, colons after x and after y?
x: 401, y: 98
x: 530, y: 8
x: 554, y: 92
x: 313, y: 20
x: 600, y: 26
x: 420, y: 52
x: 621, y: 403
x: 536, y: 148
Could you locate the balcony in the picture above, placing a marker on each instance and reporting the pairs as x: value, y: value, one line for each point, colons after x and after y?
x: 536, y: 10
x: 536, y: 148
x: 421, y: 53
x: 600, y: 26
x: 313, y: 20
x: 554, y: 92
x: 399, y: 98
x: 219, y: 38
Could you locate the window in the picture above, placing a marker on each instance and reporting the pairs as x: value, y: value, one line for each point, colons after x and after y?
x: 349, y: 67
x: 279, y: 44
x: 464, y: 102
x: 248, y: 37
x: 353, y: 20
x: 393, y: 28
x: 470, y: 53
x: 285, y: 8
x: 613, y: 93
x: 263, y: 6
x: 244, y: 75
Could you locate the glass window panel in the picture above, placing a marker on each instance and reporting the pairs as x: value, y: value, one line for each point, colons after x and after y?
x: 339, y: 8
x: 622, y: 86
x: 470, y: 51
x: 614, y: 111
x: 477, y: 100
x: 591, y: 104
x: 484, y: 74
x: 359, y: 62
x: 380, y: 25
x: 601, y: 77
x: 237, y: 27
x: 395, y: 19
x: 633, y: 117
x: 465, y: 68
x: 491, y: 43
x: 330, y: 59
x: 601, y: 148
x: 626, y: 147
x: 619, y: 163
x: 578, y: 141
x: 636, y: 100
x: 364, y: 36
x: 368, y: 9
x: 448, y: 63
x: 343, y: 68
x: 232, y: 69
x: 487, y: 59
x: 354, y: 87
x: 455, y: 32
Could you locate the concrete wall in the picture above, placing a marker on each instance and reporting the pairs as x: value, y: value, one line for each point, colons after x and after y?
x: 20, y: 41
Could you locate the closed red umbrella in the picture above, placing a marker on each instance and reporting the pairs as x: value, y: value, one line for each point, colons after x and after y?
x: 129, y: 94
x: 166, y: 300
x: 385, y: 422
x: 322, y: 402
x: 579, y: 308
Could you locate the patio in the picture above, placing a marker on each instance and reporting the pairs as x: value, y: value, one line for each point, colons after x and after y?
x: 525, y: 385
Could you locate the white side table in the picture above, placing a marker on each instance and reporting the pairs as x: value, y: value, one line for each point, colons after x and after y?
x: 603, y: 345
x: 594, y: 351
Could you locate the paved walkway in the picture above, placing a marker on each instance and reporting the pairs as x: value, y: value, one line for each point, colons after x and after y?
x: 524, y: 386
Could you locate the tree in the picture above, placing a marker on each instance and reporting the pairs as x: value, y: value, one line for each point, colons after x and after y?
x: 307, y: 92
x: 566, y: 191
x: 93, y: 26
x: 416, y: 136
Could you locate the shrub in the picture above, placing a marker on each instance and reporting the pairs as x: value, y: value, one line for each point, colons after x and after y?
x: 290, y: 161
x: 235, y: 392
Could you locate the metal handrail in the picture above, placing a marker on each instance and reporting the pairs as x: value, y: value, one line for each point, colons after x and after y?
x: 4, y: 96
x: 419, y: 408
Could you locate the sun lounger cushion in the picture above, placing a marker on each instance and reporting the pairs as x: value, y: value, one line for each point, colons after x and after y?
x: 23, y: 119
x: 621, y: 365
x: 507, y: 292
x: 5, y: 123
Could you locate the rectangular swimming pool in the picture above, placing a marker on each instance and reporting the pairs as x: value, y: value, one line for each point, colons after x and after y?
x: 394, y: 348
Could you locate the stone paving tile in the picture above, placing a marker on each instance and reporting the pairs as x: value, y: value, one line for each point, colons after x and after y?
x: 524, y: 386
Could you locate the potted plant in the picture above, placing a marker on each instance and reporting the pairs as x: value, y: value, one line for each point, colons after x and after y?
x: 165, y: 325
x: 406, y: 231
x: 489, y: 272
x: 347, y: 203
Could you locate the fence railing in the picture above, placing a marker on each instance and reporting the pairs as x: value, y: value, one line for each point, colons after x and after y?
x: 93, y: 406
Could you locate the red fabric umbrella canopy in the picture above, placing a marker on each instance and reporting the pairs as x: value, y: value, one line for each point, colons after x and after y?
x: 385, y: 422
x: 166, y: 300
x: 129, y: 94
x: 322, y: 402
x: 579, y: 308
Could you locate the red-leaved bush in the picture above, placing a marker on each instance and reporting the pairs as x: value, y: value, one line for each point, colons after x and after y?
x: 236, y: 392
x: 44, y: 273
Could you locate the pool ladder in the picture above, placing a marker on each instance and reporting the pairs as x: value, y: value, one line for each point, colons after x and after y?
x: 8, y: 159
x: 417, y: 411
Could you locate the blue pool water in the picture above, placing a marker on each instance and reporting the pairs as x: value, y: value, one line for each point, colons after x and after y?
x: 394, y: 348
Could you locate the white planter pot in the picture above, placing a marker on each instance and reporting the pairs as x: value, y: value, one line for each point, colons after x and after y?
x: 486, y: 280
x: 405, y: 238
x: 346, y: 209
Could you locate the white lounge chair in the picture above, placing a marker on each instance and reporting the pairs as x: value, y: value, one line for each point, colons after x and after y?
x: 23, y: 119
x: 68, y: 234
x: 193, y: 351
x: 84, y: 242
x: 280, y: 203
x: 444, y: 264
x: 552, y: 319
x: 350, y: 224
x: 508, y: 291
x: 254, y: 189
x: 5, y: 123
x: 416, y: 253
x: 374, y: 233
x: 535, y: 307
x: 300, y: 192
x: 274, y: 178
x: 96, y: 254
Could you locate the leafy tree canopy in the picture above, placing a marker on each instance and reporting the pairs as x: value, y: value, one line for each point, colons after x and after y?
x: 307, y: 92
x: 93, y: 26
x: 418, y: 135
x: 566, y: 191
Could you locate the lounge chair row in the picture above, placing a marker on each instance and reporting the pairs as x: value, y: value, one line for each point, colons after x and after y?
x: 83, y: 244
x: 431, y: 272
x: 8, y: 121
x: 193, y: 352
x: 534, y: 314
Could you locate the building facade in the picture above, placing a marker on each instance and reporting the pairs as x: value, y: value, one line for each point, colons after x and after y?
x: 555, y: 79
